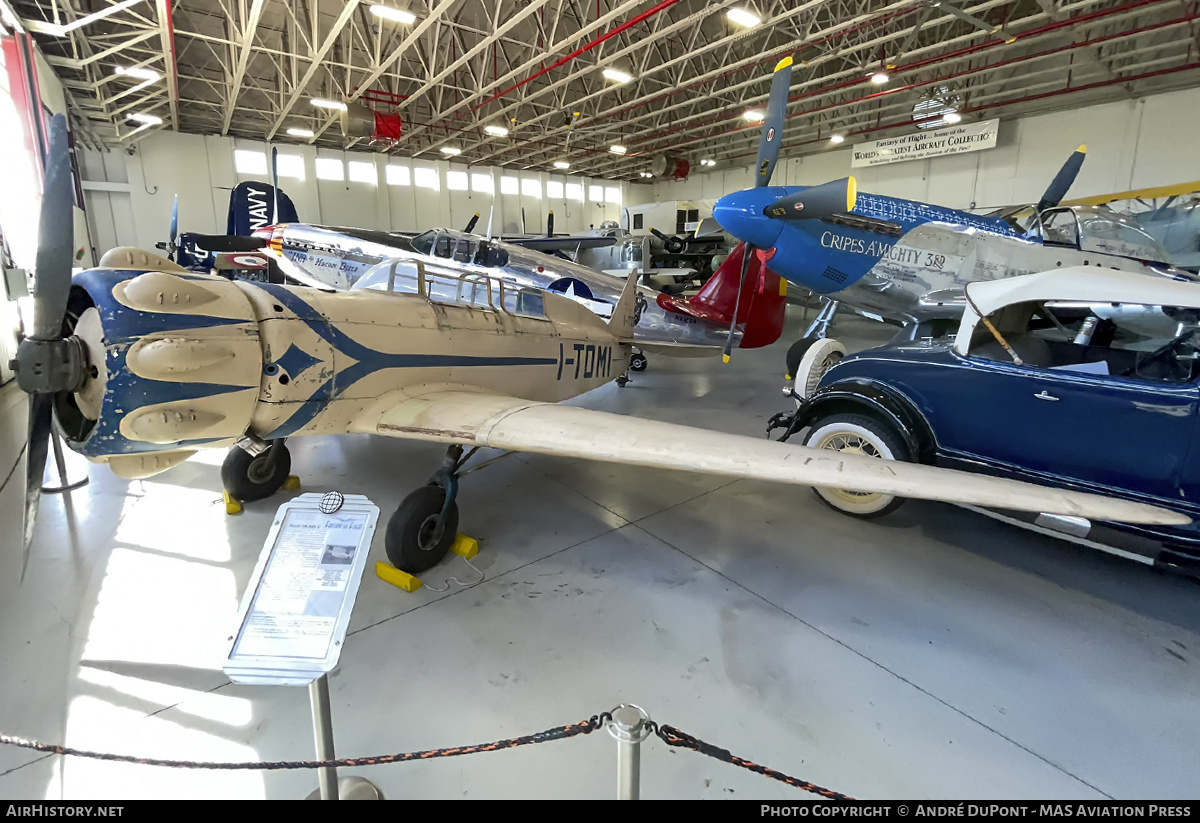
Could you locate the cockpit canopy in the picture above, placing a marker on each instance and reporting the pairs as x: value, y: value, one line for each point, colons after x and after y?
x: 1098, y: 229
x: 460, y: 247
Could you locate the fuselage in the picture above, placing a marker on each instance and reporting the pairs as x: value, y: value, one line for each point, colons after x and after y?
x: 338, y: 258
x: 907, y: 261
x: 193, y: 361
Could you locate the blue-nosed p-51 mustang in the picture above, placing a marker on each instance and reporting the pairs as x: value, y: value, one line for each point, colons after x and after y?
x: 139, y: 363
x: 906, y: 261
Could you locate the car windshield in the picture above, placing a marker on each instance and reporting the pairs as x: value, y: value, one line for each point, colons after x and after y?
x: 1157, y: 344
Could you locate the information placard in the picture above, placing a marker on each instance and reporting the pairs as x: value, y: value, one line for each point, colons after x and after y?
x: 296, y: 609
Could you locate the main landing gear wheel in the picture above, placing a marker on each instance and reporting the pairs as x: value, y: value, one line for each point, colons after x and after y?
x: 858, y: 434
x: 421, y: 530
x: 250, y: 477
x: 638, y: 362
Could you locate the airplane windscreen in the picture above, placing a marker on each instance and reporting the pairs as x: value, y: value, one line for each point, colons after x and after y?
x: 423, y: 243
x: 1105, y: 231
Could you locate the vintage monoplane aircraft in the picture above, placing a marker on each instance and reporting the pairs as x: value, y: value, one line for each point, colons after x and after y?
x: 907, y: 261
x: 337, y: 258
x: 139, y: 363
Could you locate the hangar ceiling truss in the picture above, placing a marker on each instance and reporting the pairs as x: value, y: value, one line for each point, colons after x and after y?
x: 250, y: 68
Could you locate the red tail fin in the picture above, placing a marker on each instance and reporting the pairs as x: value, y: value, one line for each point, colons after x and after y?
x: 763, y: 303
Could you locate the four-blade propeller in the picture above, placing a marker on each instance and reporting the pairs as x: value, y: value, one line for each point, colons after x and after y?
x: 768, y: 154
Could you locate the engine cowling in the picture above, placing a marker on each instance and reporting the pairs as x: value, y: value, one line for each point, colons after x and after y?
x: 174, y: 363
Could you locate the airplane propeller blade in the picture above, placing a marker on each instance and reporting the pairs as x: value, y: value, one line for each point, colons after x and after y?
x: 171, y: 247
x: 46, y: 363
x: 772, y: 128
x: 52, y: 272
x: 1062, y: 181
x: 228, y: 242
x: 491, y: 214
x: 550, y: 224
x: 815, y: 202
x: 471, y: 223
x: 747, y: 253
x: 41, y: 419
x: 274, y: 185
x: 673, y: 244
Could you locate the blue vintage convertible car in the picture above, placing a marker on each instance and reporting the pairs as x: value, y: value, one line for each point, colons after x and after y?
x: 1086, y: 378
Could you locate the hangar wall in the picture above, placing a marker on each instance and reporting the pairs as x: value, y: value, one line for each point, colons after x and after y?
x: 129, y: 196
x: 1134, y: 143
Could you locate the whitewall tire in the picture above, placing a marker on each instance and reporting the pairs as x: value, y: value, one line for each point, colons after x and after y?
x: 818, y: 359
x: 858, y: 434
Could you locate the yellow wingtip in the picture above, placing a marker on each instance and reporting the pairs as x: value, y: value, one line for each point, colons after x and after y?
x: 851, y: 193
x: 783, y: 64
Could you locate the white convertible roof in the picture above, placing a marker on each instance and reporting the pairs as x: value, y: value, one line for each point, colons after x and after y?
x: 1088, y: 284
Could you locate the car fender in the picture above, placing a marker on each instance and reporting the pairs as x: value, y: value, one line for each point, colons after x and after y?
x: 877, y: 400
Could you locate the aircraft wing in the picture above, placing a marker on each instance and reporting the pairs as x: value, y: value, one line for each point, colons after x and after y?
x: 478, y: 418
x: 560, y: 243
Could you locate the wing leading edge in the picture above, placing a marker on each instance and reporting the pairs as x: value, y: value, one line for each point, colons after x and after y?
x: 461, y: 415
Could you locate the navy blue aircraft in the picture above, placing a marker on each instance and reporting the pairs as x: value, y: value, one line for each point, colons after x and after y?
x: 904, y: 261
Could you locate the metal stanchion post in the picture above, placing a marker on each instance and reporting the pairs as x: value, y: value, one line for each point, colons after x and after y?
x: 629, y: 728
x: 318, y: 695
x: 348, y: 788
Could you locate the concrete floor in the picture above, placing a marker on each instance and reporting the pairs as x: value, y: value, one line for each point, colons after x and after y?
x: 932, y: 654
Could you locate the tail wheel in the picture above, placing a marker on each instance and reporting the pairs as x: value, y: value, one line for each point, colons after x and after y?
x: 638, y: 362
x: 817, y: 359
x: 858, y: 434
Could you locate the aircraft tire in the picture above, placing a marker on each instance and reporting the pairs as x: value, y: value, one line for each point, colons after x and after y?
x: 638, y: 362
x: 250, y: 477
x: 408, y: 539
x: 857, y: 434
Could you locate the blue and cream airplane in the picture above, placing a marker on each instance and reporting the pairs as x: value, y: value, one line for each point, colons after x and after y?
x: 139, y: 363
x: 906, y: 261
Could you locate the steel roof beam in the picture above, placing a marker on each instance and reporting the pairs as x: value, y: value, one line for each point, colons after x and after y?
x: 317, y: 58
x: 249, y: 27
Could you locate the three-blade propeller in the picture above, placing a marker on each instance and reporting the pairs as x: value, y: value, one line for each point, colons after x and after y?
x: 769, y: 143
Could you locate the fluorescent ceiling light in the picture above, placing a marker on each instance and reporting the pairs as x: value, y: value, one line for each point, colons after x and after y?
x: 149, y: 75
x: 644, y: 174
x: 707, y: 162
x: 754, y: 115
x: 618, y: 149
x: 148, y: 119
x: 617, y: 76
x: 328, y: 104
x: 836, y: 138
x: 300, y: 132
x: 396, y: 15
x: 880, y: 77
x: 451, y: 151
x: 496, y: 131
x: 952, y: 117
x: 743, y: 17
x: 561, y: 164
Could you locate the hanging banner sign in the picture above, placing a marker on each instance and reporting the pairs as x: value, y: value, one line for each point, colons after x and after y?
x: 949, y: 140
